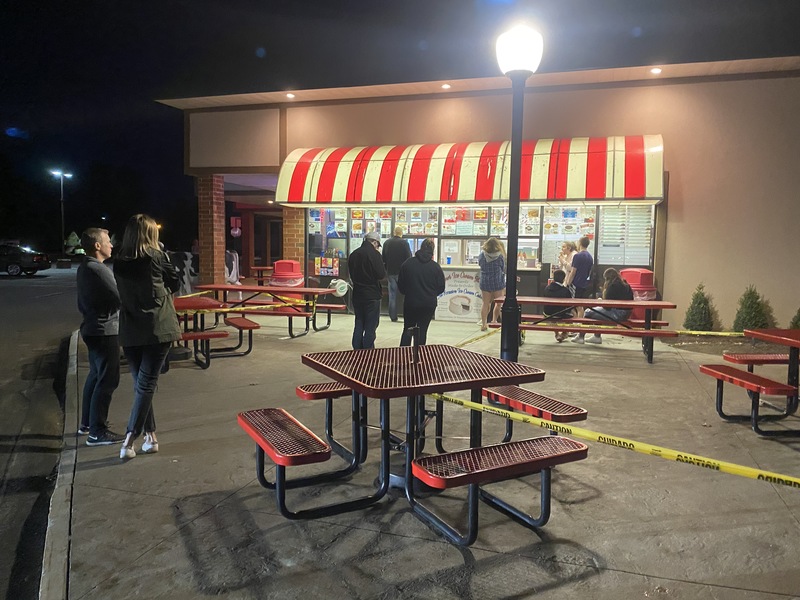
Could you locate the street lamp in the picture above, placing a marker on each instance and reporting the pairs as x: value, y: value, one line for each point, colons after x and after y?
x: 61, y: 175
x: 519, y: 52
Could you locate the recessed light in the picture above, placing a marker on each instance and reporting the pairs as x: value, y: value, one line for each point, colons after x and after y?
x: 445, y: 86
x: 290, y: 95
x: 656, y: 70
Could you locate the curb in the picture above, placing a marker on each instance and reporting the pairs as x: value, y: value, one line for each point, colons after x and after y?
x: 54, y: 583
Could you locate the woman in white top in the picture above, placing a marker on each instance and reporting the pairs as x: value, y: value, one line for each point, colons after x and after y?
x: 568, y: 250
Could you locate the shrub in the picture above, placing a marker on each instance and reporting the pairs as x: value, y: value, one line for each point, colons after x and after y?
x: 795, y: 322
x: 699, y: 316
x: 753, y: 312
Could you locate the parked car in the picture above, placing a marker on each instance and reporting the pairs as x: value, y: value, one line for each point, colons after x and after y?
x: 16, y: 260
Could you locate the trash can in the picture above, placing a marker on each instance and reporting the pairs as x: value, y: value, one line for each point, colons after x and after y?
x: 641, y: 282
x: 287, y: 273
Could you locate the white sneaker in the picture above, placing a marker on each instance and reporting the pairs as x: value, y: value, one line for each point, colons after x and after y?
x: 149, y: 446
x: 576, y: 340
x: 127, y: 452
x: 595, y: 339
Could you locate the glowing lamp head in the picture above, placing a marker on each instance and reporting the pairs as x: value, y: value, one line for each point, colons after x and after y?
x: 519, y: 49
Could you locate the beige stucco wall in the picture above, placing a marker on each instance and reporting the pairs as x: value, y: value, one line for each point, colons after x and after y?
x: 731, y: 148
x: 242, y: 139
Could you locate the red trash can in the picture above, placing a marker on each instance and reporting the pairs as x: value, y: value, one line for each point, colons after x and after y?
x: 287, y: 273
x: 641, y: 282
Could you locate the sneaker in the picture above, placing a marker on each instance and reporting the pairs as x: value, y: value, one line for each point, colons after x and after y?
x: 83, y: 430
x: 595, y: 339
x: 149, y: 446
x: 127, y: 452
x: 576, y: 340
x: 104, y: 439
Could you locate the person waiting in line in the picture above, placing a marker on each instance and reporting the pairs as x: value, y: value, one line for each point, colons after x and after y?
x: 568, y: 251
x: 98, y: 302
x: 395, y: 252
x: 492, y: 261
x: 366, y: 272
x: 614, y: 288
x: 580, y: 275
x: 148, y: 322
x: 557, y: 289
x: 421, y: 281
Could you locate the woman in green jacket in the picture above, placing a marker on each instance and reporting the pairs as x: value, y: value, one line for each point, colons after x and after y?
x: 147, y: 324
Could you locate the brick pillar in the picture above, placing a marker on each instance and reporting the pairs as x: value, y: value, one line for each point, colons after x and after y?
x: 248, y: 249
x: 211, y: 226
x: 294, y: 234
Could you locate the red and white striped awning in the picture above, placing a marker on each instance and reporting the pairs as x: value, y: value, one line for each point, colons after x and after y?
x: 596, y: 170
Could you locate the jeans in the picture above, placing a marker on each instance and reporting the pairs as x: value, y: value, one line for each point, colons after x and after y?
x: 393, y: 291
x: 368, y: 316
x: 102, y: 380
x: 416, y: 316
x: 145, y: 364
x: 607, y: 314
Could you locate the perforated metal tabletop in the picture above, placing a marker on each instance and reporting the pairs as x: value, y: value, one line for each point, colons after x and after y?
x: 392, y: 373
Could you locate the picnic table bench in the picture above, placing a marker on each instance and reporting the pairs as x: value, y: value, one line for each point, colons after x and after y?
x: 290, y: 443
x: 647, y: 329
x: 474, y: 467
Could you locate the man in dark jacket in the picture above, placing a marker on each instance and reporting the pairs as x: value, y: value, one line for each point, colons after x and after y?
x: 98, y: 301
x: 421, y: 280
x: 366, y: 272
x: 396, y: 251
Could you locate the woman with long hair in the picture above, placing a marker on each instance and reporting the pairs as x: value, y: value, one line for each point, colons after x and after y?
x: 492, y: 261
x: 147, y: 325
x: 614, y: 288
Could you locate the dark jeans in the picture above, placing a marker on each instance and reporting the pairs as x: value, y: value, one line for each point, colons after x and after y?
x: 393, y: 291
x: 416, y: 316
x: 102, y: 380
x: 145, y: 364
x: 368, y: 316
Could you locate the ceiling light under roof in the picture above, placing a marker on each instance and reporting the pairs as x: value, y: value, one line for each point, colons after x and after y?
x: 656, y: 70
x: 445, y: 86
x: 290, y: 95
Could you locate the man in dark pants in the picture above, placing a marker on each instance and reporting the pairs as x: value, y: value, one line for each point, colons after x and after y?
x: 395, y: 252
x: 98, y: 301
x: 366, y: 272
x: 580, y: 275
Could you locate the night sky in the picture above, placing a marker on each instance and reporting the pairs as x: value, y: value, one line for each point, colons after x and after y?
x: 78, y: 79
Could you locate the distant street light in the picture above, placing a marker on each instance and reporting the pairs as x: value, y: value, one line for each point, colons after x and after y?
x: 519, y: 52
x: 61, y: 175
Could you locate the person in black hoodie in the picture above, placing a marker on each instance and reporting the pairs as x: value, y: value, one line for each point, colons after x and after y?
x: 366, y: 272
x: 421, y: 281
x: 147, y: 323
x: 557, y: 289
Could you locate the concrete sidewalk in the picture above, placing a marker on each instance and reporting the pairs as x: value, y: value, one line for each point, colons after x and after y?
x: 192, y: 521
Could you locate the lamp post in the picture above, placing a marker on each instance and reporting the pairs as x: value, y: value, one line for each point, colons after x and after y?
x: 61, y: 175
x: 519, y: 52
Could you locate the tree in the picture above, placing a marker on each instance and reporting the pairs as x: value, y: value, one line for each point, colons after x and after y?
x: 699, y: 315
x: 753, y: 312
x: 795, y: 323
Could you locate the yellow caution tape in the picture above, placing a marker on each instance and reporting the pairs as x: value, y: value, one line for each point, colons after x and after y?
x: 635, y: 446
x: 714, y: 333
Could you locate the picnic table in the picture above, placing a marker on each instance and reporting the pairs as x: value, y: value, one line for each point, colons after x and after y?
x: 412, y: 372
x: 271, y: 301
x: 646, y: 329
x: 758, y: 385
x: 261, y: 274
x: 197, y: 307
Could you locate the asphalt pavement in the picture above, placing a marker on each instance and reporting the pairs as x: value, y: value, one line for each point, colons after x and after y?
x: 38, y: 315
x: 192, y: 520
